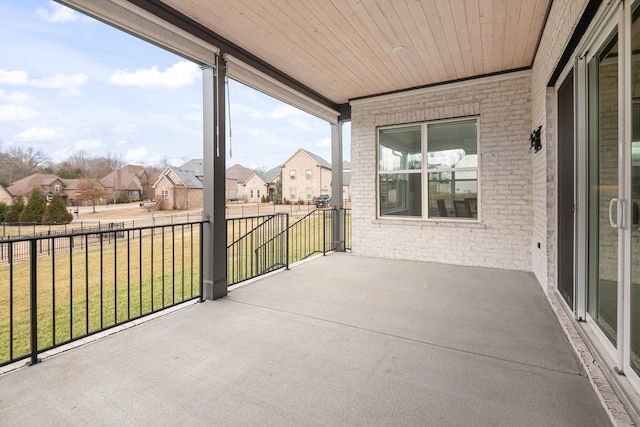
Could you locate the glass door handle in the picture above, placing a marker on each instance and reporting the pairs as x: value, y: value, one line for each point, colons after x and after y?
x: 619, y: 213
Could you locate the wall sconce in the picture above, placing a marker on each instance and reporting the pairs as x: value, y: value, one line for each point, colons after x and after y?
x: 534, y: 138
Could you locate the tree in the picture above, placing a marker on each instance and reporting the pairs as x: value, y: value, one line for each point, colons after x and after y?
x: 102, y: 166
x: 16, y: 208
x: 3, y: 210
x: 91, y: 191
x: 35, y: 207
x: 278, y: 190
x: 123, y: 197
x: 25, y: 162
x: 66, y: 170
x: 57, y: 211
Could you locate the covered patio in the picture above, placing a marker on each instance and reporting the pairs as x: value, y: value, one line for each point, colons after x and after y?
x: 338, y: 340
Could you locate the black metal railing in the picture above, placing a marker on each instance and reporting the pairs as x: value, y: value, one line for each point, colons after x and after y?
x: 311, y: 234
x: 60, y: 287
x: 255, y: 246
x: 71, y: 286
x: 261, y: 244
x: 346, y: 224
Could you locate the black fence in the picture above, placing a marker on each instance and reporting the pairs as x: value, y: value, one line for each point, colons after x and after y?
x: 61, y: 287
x: 261, y: 244
x: 71, y: 286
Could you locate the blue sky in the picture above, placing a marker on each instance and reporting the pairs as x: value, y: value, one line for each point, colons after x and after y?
x: 70, y: 83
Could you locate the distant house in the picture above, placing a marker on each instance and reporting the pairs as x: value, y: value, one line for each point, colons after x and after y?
x: 241, y: 174
x: 346, y: 181
x: 231, y: 188
x: 180, y: 187
x: 261, y: 184
x: 5, y: 196
x: 346, y: 186
x: 271, y: 178
x: 254, y: 188
x: 49, y: 184
x: 305, y: 176
x: 71, y: 192
x: 130, y: 180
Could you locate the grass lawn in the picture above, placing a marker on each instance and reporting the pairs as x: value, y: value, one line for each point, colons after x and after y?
x: 87, y: 291
x: 133, y: 273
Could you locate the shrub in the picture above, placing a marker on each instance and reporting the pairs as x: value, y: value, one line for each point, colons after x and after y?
x: 16, y: 208
x: 35, y: 207
x: 123, y: 198
x: 57, y: 211
x: 3, y: 210
x: 263, y: 199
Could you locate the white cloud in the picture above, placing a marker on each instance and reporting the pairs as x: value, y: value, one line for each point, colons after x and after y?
x: 88, y: 145
x: 136, y: 155
x: 68, y: 84
x: 122, y: 143
x: 14, y: 77
x: 61, y: 155
x: 178, y: 75
x: 16, y: 97
x: 125, y: 128
x: 38, y: 134
x: 10, y: 113
x: 57, y: 13
x: 284, y: 111
x: 302, y: 123
x: 324, y: 142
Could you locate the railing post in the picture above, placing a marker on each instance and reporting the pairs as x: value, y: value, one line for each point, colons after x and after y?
x: 34, y: 303
x: 201, y: 261
x: 286, y: 238
x: 324, y: 232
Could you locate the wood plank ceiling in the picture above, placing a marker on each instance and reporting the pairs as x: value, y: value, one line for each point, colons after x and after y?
x: 343, y: 49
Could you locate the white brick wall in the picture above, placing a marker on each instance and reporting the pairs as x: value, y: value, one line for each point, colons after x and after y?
x: 561, y: 22
x: 503, y: 237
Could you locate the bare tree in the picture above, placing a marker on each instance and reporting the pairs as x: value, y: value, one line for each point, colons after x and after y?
x: 90, y: 190
x: 100, y: 167
x: 79, y: 161
x: 24, y: 162
x: 161, y: 165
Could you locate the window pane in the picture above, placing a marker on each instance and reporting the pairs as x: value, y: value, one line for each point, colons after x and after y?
x: 452, y: 144
x: 401, y: 194
x: 400, y: 149
x: 453, y: 194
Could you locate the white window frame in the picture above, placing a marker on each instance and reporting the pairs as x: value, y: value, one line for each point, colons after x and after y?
x: 424, y: 171
x: 164, y: 194
x: 292, y: 175
x: 309, y: 174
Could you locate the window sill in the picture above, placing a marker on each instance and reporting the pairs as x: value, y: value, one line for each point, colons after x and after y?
x: 434, y: 222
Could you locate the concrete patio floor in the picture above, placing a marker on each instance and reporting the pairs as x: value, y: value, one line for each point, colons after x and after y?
x: 340, y: 340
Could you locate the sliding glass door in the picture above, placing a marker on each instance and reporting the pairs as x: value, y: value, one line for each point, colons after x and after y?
x: 603, y: 174
x: 633, y: 158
